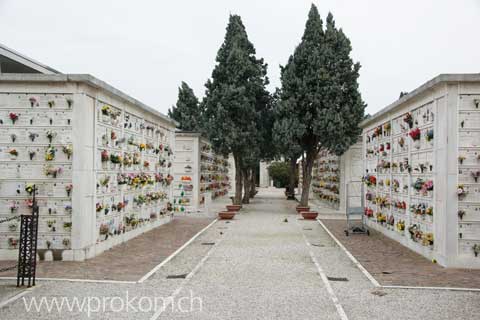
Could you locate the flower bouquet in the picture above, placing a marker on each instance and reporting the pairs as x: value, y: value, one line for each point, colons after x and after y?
x: 98, y: 207
x: 13, y: 117
x: 408, y: 119
x: 34, y: 102
x: 29, y: 188
x: 476, y: 247
x: 461, y: 191
x: 68, y: 189
x: 50, y: 153
x: 106, y: 110
x: 13, y: 153
x: 105, y: 156
x: 68, y: 150
x: 52, y: 171
x: 429, y: 135
x: 116, y: 159
x: 13, y: 207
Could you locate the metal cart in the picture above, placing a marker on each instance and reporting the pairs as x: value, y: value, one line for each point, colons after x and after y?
x: 356, y: 226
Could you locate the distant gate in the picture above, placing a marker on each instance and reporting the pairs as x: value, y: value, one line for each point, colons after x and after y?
x: 27, y: 252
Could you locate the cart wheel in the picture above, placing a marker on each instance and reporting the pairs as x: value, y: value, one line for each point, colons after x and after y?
x: 346, y: 233
x: 368, y: 232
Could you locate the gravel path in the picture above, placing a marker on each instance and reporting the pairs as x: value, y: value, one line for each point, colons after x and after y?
x: 260, y: 267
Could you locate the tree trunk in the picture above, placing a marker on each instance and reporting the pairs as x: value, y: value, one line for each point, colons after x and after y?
x: 253, y: 189
x: 246, y: 185
x: 292, y: 179
x: 307, y: 175
x: 238, y: 180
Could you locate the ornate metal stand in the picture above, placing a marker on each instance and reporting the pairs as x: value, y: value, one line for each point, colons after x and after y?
x: 27, y: 253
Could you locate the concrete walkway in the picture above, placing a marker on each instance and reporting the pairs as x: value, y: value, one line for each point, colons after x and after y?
x: 257, y: 267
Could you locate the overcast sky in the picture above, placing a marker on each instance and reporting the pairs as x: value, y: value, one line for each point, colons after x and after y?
x: 146, y: 48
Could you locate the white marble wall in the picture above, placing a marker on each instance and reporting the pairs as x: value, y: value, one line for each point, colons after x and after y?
x: 401, y: 204
x: 71, y: 111
x: 201, y: 176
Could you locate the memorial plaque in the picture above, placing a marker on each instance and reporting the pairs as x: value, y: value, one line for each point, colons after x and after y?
x: 469, y: 139
x: 467, y: 102
x: 469, y: 231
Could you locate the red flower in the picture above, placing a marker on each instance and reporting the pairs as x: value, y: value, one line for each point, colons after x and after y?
x: 415, y: 134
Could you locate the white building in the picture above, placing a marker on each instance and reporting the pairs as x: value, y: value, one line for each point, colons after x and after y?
x: 101, y: 160
x: 201, y: 176
x: 421, y: 157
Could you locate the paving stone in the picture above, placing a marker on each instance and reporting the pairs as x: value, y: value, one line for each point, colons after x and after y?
x: 390, y: 263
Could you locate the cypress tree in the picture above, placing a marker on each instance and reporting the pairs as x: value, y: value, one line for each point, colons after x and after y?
x: 320, y: 105
x: 187, y: 111
x: 232, y: 100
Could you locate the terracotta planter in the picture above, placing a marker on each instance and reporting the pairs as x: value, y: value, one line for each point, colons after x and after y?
x: 233, y: 207
x: 226, y: 215
x: 309, y: 215
x: 300, y: 209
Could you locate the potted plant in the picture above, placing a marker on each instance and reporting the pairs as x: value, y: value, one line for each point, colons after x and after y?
x: 234, y: 207
x: 31, y: 154
x: 51, y: 103
x: 309, y: 215
x: 461, y: 158
x: 301, y: 209
x: 226, y: 215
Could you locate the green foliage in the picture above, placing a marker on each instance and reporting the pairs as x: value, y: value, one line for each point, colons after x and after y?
x: 235, y: 94
x: 319, y: 100
x: 235, y: 101
x: 280, y: 173
x: 187, y: 111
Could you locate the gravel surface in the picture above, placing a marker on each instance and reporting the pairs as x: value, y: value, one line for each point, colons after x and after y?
x: 260, y: 267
